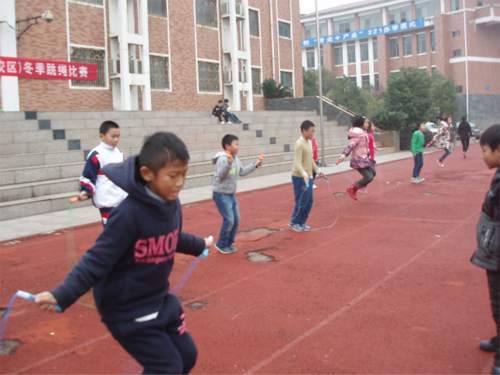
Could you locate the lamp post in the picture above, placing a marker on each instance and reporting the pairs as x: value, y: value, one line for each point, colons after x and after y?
x: 320, y: 85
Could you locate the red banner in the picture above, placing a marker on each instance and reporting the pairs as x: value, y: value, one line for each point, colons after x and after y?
x: 47, y: 69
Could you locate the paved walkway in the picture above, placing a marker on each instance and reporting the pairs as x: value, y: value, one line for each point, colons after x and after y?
x: 37, y: 224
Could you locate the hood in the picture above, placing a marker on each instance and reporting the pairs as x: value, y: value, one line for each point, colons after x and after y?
x: 217, y: 156
x: 356, y: 132
x: 126, y: 176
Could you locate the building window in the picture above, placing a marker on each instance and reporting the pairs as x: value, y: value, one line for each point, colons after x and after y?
x: 253, y: 15
x: 455, y: 5
x: 457, y: 52
x: 90, y: 56
x: 422, y: 46
x: 364, y: 51
x: 351, y: 54
x: 365, y: 82
x: 157, y: 8
x: 286, y: 79
x: 344, y: 26
x: 455, y: 33
x: 427, y: 9
x: 311, y: 30
x: 459, y: 89
x: 375, y: 50
x: 284, y: 29
x: 370, y: 20
x: 310, y: 59
x: 400, y: 15
x: 433, y: 69
x: 208, y: 76
x: 256, y: 88
x: 339, y: 58
x: 394, y: 47
x: 353, y: 79
x: 158, y: 70
x: 96, y: 2
x: 407, y: 45
x: 206, y: 13
x: 433, y: 42
x: 480, y: 3
x: 376, y: 86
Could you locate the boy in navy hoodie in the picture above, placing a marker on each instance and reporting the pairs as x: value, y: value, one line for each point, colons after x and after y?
x: 130, y: 263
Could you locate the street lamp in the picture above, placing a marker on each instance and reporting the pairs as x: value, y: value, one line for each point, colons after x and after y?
x: 47, y: 16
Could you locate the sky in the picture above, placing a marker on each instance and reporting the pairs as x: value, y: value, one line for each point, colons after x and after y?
x: 309, y: 6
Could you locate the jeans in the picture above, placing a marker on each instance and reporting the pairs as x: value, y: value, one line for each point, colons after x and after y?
x: 303, y: 200
x: 494, y: 286
x: 448, y: 151
x: 419, y: 163
x: 232, y: 117
x: 465, y: 144
x: 228, y: 208
x: 368, y: 174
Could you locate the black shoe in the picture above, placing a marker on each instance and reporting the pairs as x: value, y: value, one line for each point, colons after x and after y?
x: 488, y: 346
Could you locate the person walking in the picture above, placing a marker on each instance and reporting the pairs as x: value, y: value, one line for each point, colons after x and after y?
x: 465, y: 132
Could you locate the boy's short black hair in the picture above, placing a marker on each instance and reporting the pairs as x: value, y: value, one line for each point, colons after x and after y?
x: 228, y: 139
x: 161, y: 149
x: 106, y: 125
x: 220, y: 101
x: 463, y: 118
x: 491, y: 137
x: 226, y: 100
x: 306, y: 125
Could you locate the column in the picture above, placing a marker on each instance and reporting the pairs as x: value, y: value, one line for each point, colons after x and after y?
x: 8, y: 48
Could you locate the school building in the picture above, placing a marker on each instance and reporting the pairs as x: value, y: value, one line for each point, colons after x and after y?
x: 150, y: 54
x: 369, y: 40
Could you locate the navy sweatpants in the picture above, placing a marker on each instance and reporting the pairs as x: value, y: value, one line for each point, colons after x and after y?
x: 162, y: 345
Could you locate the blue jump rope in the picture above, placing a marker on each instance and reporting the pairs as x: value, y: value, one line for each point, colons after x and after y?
x: 30, y: 297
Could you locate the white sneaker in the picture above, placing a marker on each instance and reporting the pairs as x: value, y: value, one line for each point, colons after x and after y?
x: 222, y: 122
x: 420, y: 179
x: 314, y: 186
x: 229, y: 122
x: 414, y: 180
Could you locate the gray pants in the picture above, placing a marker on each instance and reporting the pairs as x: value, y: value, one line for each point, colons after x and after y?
x: 368, y: 174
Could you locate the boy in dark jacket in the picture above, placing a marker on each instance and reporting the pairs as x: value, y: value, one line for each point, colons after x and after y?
x: 130, y: 263
x: 219, y: 112
x: 487, y: 254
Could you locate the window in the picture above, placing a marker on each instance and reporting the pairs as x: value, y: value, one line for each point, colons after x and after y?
x: 365, y: 82
x: 253, y: 15
x: 158, y: 70
x: 90, y: 56
x: 457, y: 52
x: 427, y: 9
x: 256, y: 88
x: 286, y: 79
x: 311, y: 29
x: 353, y: 79
x: 206, y: 13
x: 370, y: 20
x: 400, y: 15
x: 421, y: 44
x: 459, y: 89
x: 433, y: 42
x: 455, y: 33
x: 376, y: 86
x: 339, y: 58
x: 407, y: 45
x: 364, y: 51
x: 375, y: 50
x: 157, y: 8
x: 310, y: 59
x: 394, y: 47
x: 343, y: 26
x: 455, y: 5
x: 433, y: 69
x: 284, y: 29
x: 480, y: 3
x: 351, y: 54
x: 97, y: 2
x: 208, y: 76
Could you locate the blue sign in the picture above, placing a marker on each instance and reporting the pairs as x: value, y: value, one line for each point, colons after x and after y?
x: 366, y: 33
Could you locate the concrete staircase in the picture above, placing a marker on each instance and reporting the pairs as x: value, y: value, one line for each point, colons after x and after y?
x: 43, y: 154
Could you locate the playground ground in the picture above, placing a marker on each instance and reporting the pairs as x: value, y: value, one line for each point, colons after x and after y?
x: 388, y: 289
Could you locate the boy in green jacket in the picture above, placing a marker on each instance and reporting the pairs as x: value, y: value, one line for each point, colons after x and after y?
x: 417, y: 149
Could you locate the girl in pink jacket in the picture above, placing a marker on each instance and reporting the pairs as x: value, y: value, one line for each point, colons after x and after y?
x: 360, y: 160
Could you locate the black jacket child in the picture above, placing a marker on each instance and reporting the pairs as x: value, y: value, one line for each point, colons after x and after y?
x: 131, y: 261
x: 487, y: 254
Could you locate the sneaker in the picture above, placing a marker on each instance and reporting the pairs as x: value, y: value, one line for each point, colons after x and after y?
x: 363, y: 190
x: 465, y: 154
x: 229, y: 122
x: 440, y: 163
x: 314, y: 186
x: 305, y: 227
x: 296, y: 227
x: 224, y: 250
x: 222, y: 122
x: 415, y: 180
x: 232, y: 248
x: 488, y: 345
x: 420, y: 179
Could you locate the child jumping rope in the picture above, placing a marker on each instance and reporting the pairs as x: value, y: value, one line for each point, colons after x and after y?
x: 417, y: 149
x: 442, y: 139
x: 360, y: 160
x: 131, y: 261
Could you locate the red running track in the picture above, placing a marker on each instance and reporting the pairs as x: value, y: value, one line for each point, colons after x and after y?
x: 388, y: 289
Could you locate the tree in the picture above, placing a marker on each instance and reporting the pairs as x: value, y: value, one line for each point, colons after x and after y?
x: 388, y: 120
x: 348, y: 94
x: 375, y: 103
x: 444, y: 95
x: 409, y: 92
x: 311, y: 81
x: 274, y: 91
